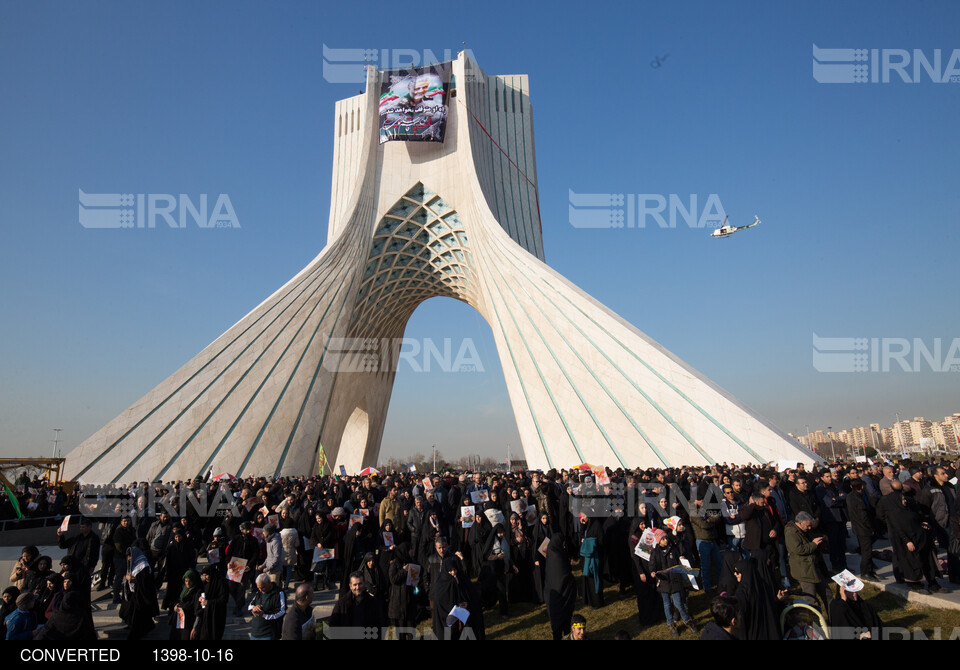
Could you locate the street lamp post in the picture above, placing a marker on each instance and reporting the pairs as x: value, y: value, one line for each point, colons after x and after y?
x: 56, y: 440
x: 832, y: 450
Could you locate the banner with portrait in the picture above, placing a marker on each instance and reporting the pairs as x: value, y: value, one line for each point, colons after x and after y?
x: 413, y: 103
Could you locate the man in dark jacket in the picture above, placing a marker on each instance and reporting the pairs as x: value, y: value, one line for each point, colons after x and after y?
x: 863, y: 524
x: 355, y: 611
x: 416, y: 519
x: 83, y: 548
x: 299, y: 613
x: 803, y: 500
x: 107, y: 551
x: 158, y: 537
x: 833, y: 511
x: 888, y: 503
x: 937, y: 503
x: 724, y: 611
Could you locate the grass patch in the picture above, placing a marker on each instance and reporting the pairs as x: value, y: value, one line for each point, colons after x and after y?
x: 530, y: 622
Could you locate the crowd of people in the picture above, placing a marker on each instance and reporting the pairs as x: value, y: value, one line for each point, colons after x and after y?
x: 410, y: 553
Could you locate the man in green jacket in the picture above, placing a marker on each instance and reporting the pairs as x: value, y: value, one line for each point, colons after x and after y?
x: 707, y: 527
x: 805, y: 562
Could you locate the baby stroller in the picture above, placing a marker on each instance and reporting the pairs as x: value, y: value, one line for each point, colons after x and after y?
x: 802, y: 619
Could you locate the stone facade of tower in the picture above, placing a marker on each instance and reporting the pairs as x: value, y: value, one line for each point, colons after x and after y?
x: 310, y: 365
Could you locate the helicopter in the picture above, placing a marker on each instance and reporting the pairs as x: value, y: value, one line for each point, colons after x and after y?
x: 724, y: 230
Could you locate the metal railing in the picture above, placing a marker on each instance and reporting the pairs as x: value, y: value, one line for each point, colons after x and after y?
x: 28, y: 523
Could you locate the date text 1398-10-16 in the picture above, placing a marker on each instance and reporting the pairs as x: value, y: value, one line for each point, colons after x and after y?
x: 181, y: 655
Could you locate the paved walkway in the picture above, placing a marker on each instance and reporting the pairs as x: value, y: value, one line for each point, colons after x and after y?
x: 948, y: 598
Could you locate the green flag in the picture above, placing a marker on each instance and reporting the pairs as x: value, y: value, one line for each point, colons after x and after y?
x: 13, y: 501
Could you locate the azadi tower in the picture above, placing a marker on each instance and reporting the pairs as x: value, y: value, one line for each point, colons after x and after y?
x: 410, y: 220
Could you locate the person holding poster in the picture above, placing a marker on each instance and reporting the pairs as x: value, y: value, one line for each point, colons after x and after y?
x: 324, y: 536
x: 643, y: 582
x: 213, y: 600
x: 84, y: 547
x: 670, y: 584
x: 217, y: 551
x: 463, y: 534
x: 184, y: 614
x: 541, y: 533
x: 850, y: 612
x: 243, y: 546
x: 386, y: 545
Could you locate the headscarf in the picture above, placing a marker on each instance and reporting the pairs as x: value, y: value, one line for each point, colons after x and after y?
x: 56, y: 580
x: 186, y: 591
x: 138, y: 562
x: 7, y: 608
x: 32, y: 551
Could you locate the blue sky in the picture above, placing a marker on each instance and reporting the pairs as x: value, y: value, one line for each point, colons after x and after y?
x: 856, y: 185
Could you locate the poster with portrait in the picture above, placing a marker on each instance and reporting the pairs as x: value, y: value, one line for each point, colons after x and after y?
x: 413, y: 574
x: 466, y: 513
x: 413, y: 103
x: 600, y: 473
x: 645, y: 545
x: 235, y: 569
x: 479, y: 497
x: 531, y: 515
x: 322, y: 554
